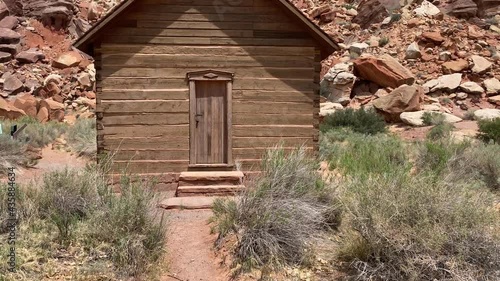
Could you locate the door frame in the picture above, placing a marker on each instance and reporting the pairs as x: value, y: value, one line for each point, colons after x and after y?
x: 210, y: 75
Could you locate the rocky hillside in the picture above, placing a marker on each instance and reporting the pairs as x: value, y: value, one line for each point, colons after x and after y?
x: 397, y: 56
x: 41, y: 75
x: 412, y: 56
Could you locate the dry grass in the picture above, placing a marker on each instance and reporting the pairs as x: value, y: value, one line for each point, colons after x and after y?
x: 82, y: 137
x: 282, y: 210
x: 73, y: 226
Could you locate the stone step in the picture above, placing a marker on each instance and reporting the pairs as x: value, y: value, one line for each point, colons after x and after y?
x: 210, y: 178
x: 188, y: 203
x: 209, y: 190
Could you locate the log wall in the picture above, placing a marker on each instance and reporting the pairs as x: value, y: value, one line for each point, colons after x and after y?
x: 143, y: 94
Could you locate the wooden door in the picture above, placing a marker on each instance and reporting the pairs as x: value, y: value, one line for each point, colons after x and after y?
x: 210, y: 133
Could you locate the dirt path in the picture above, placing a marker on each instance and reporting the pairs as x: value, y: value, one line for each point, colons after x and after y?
x: 52, y: 160
x: 190, y: 252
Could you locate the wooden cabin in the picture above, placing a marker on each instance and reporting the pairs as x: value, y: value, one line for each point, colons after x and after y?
x: 204, y: 85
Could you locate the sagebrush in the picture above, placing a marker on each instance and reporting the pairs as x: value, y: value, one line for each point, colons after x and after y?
x: 281, y: 210
x: 360, y: 121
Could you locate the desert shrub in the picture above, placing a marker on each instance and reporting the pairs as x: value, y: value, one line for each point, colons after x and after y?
x: 68, y: 196
x: 433, y: 156
x: 82, y: 137
x: 433, y: 118
x: 132, y: 226
x: 489, y: 130
x: 480, y: 163
x: 395, y: 17
x: 416, y: 228
x: 440, y: 131
x: 383, y: 41
x: 360, y: 121
x: 362, y: 155
x: 280, y: 212
x: 36, y: 134
x: 11, y: 154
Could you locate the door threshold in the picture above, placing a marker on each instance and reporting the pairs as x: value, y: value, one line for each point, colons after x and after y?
x: 211, y: 166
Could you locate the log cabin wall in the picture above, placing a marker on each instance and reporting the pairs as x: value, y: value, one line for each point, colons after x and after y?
x: 143, y: 94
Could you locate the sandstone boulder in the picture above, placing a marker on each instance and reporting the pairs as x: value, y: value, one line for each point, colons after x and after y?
x: 481, y: 65
x: 338, y: 82
x: 426, y: 9
x: 432, y: 37
x: 487, y: 114
x: 53, y: 109
x: 28, y: 104
x: 5, y: 57
x: 8, y: 36
x: 415, y: 118
x: 447, y: 83
x: 9, y: 22
x: 455, y: 66
x: 68, y: 59
x: 370, y: 12
x: 8, y: 111
x: 488, y: 8
x: 494, y: 100
x: 460, y: 8
x: 384, y: 71
x: 10, y: 48
x: 328, y: 108
x: 13, y: 85
x: 30, y: 56
x: 492, y: 86
x: 413, y: 51
x: 403, y: 99
x: 472, y: 88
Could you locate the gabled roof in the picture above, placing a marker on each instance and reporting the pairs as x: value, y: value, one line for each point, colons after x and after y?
x: 327, y: 44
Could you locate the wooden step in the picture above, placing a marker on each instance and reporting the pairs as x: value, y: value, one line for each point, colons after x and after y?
x: 210, y: 178
x: 209, y: 190
x: 188, y: 203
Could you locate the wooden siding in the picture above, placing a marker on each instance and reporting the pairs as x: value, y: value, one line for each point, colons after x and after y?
x: 143, y: 94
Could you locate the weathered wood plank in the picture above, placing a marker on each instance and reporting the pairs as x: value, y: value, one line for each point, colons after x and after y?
x: 180, y: 73
x: 208, y: 41
x: 274, y: 96
x: 207, y: 50
x: 146, y: 119
x: 147, y: 143
x: 272, y: 131
x: 144, y: 94
x: 140, y: 106
x: 143, y: 83
x: 226, y: 17
x: 272, y: 107
x: 147, y: 167
x: 153, y: 154
x: 159, y: 61
x: 255, y: 118
x: 207, y: 9
x: 258, y: 153
x: 144, y: 131
x: 161, y: 32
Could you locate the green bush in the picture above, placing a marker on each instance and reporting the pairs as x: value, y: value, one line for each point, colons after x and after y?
x: 362, y: 155
x: 480, y: 163
x: 433, y: 118
x: 279, y: 213
x: 360, y: 121
x: 82, y: 137
x: 489, y: 130
x: 433, y: 156
x: 78, y: 210
x: 68, y: 197
x: 132, y: 225
x: 441, y: 131
x: 35, y: 134
x: 400, y: 227
x: 11, y: 154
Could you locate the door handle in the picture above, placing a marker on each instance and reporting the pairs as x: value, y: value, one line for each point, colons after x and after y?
x: 197, y: 118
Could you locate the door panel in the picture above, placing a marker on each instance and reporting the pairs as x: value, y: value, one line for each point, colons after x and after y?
x: 211, y: 122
